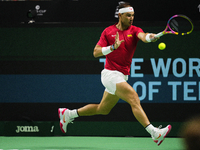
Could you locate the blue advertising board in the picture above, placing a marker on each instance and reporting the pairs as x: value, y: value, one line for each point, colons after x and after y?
x: 162, y: 84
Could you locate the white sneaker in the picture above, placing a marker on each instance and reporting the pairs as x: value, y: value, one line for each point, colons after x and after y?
x: 64, y: 119
x: 159, y: 135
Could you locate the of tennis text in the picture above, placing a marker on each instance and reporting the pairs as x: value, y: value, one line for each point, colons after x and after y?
x: 176, y: 77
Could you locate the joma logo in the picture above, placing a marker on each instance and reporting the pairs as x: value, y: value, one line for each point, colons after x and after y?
x: 27, y: 129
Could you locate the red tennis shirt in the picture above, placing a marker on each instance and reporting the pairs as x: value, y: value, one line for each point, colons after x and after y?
x: 121, y: 58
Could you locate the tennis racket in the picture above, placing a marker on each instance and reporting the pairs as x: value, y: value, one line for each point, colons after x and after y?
x: 178, y: 25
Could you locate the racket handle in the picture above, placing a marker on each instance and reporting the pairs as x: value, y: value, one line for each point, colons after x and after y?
x: 159, y: 34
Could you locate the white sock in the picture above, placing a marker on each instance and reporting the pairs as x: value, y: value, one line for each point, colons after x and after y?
x: 73, y: 113
x: 150, y: 128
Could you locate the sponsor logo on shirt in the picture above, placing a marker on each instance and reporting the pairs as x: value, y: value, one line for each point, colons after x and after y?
x: 129, y: 35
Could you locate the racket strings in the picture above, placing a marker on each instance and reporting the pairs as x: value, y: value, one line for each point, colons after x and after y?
x: 174, y: 25
x: 181, y: 25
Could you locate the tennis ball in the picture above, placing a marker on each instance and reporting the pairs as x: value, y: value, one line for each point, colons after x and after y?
x: 162, y: 46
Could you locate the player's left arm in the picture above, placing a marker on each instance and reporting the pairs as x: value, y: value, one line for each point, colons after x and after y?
x: 144, y: 36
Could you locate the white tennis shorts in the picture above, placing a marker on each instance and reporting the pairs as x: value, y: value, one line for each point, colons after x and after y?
x: 110, y: 78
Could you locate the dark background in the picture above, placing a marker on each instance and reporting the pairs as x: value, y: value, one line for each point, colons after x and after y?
x: 62, y: 39
x: 96, y: 11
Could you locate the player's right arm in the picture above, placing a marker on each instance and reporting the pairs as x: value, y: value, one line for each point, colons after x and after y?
x: 143, y: 37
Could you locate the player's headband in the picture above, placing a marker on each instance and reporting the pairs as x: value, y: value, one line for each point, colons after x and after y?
x: 126, y: 9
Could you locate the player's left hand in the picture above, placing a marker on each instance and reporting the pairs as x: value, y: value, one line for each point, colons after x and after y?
x: 117, y: 41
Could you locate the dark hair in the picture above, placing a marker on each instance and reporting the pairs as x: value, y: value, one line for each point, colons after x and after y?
x: 123, y: 5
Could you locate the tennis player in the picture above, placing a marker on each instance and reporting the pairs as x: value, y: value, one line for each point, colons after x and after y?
x: 118, y: 43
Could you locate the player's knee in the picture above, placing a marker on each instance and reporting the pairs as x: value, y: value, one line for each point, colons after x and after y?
x: 104, y: 112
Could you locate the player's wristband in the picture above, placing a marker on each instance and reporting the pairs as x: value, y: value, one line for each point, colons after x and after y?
x: 106, y: 50
x: 113, y: 47
x: 148, y: 38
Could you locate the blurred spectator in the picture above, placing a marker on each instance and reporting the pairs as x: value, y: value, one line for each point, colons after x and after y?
x: 190, y: 133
